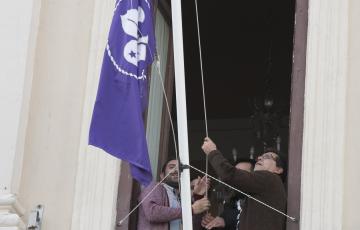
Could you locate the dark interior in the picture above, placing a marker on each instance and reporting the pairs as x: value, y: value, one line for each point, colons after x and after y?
x: 247, y: 53
x: 247, y: 62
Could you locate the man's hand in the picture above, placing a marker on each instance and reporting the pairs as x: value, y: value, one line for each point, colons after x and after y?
x: 206, y: 219
x: 208, y: 145
x: 201, y: 185
x: 201, y: 205
x: 215, y: 223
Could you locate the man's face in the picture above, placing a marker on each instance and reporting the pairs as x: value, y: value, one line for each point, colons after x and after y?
x: 244, y: 166
x: 267, y: 162
x: 173, y: 176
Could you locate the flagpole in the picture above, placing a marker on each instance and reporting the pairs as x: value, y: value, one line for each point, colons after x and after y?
x: 181, y: 113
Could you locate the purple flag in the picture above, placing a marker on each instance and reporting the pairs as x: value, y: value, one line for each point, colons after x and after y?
x: 117, y: 124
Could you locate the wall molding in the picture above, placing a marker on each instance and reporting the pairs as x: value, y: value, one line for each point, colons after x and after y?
x: 25, y: 105
x: 11, y: 212
x: 98, y: 172
x: 324, y: 115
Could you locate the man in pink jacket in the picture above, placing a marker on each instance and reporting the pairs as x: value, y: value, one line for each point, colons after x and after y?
x: 162, y: 209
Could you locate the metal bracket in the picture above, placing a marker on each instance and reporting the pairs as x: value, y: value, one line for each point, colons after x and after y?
x: 35, y: 218
x: 182, y: 167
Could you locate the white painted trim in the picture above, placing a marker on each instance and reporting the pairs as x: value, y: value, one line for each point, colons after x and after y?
x: 324, y: 115
x: 351, y: 203
x: 98, y: 173
x: 18, y: 32
x: 11, y: 212
x: 9, y: 220
x: 24, y: 114
x: 9, y: 228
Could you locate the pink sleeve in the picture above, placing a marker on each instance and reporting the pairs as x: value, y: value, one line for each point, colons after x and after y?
x: 155, y: 206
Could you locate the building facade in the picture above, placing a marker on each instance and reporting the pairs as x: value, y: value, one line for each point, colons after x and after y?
x: 51, y: 58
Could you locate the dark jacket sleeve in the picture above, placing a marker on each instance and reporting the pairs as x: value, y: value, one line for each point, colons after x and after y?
x: 197, y: 218
x: 252, y: 183
x: 229, y: 215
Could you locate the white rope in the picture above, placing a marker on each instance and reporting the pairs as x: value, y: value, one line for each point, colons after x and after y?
x: 203, y: 86
x: 172, y: 129
x: 174, y: 139
x: 247, y: 195
x: 173, y: 133
x: 169, y: 113
x: 167, y: 104
x: 206, y: 130
x: 147, y: 195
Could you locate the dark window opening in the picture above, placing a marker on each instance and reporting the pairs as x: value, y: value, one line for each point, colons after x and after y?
x: 247, y: 60
x: 247, y: 54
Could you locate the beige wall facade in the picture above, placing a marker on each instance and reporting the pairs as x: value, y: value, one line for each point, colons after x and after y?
x: 55, y: 116
x: 324, y: 116
x: 52, y: 57
x: 18, y: 21
x: 330, y: 179
x: 18, y: 29
x: 351, y: 200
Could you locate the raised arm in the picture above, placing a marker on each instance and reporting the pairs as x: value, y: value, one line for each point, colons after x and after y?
x: 241, y: 179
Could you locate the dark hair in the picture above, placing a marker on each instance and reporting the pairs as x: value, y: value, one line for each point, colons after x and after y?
x: 279, y: 162
x: 163, y: 168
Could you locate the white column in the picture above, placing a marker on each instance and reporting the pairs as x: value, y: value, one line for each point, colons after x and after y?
x: 18, y: 29
x: 324, y: 117
x: 17, y: 32
x: 98, y: 173
x: 181, y: 112
x: 351, y: 220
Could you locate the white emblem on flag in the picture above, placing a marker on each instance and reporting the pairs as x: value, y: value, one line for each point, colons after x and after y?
x: 134, y: 50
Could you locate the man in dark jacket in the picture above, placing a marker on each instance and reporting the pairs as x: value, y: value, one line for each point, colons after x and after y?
x: 264, y: 184
x: 232, y: 203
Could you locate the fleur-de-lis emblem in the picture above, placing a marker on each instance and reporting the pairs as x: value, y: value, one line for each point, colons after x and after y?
x: 134, y: 50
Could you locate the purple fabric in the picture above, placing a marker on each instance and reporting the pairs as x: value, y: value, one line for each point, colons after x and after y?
x: 117, y: 124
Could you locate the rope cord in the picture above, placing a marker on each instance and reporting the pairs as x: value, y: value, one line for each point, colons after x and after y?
x: 229, y: 186
x: 247, y: 195
x: 156, y: 57
x: 174, y: 139
x: 173, y: 132
x: 203, y: 85
x: 172, y: 128
x: 169, y: 113
x: 175, y: 143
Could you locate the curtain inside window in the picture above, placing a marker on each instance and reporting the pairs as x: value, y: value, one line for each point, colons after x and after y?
x: 155, y: 107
